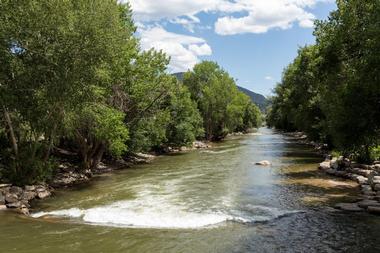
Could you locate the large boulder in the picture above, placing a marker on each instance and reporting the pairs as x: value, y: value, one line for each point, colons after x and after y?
x: 376, y: 187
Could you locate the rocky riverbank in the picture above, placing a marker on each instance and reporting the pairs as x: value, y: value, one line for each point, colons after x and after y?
x: 368, y: 178
x: 68, y: 174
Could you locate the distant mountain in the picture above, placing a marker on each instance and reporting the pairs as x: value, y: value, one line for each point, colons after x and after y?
x: 179, y: 75
x: 256, y: 98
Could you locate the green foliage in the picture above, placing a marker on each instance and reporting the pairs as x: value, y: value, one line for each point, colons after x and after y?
x: 220, y: 103
x: 331, y: 90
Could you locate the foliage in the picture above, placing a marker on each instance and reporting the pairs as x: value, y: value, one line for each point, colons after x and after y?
x: 331, y: 90
x: 222, y: 106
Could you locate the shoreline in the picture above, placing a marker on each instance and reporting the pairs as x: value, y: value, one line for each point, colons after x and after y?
x: 20, y: 198
x: 367, y: 176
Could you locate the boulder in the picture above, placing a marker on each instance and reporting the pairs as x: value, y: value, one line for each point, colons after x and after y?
x: 16, y: 190
x: 324, y: 165
x: 16, y: 204
x: 28, y: 195
x: 334, y: 164
x: 43, y: 194
x: 368, y: 202
x: 30, y: 187
x: 3, y: 207
x: 361, y: 180
x: 11, y: 198
x: 5, y: 186
x: 374, y: 209
x: 350, y: 207
x: 364, y: 173
x: 376, y: 187
x: 331, y: 171
x: 366, y: 187
x: 263, y: 163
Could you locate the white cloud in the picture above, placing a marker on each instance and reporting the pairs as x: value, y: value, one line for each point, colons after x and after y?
x: 184, y: 50
x: 260, y: 15
x: 263, y: 15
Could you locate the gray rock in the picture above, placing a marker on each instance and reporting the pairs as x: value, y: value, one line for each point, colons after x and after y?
x: 361, y: 180
x: 350, y: 207
x: 376, y: 187
x: 30, y: 187
x: 2, y: 199
x: 334, y: 164
x: 16, y: 190
x: 324, y: 165
x: 366, y: 187
x: 364, y: 173
x: 5, y: 185
x: 28, y: 195
x: 374, y: 209
x: 367, y: 202
x: 16, y: 204
x: 43, y: 194
x: 11, y: 198
x: 263, y: 163
x: 331, y: 171
x: 3, y: 207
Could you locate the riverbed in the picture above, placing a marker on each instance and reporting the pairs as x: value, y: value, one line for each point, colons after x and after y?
x: 214, y: 200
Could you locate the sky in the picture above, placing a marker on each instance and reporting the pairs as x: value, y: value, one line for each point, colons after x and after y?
x: 253, y: 40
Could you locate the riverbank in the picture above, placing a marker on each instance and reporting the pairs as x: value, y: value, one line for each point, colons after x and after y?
x: 20, y: 198
x: 367, y: 177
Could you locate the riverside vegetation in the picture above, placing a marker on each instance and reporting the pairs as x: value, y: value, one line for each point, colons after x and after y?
x: 331, y: 92
x: 75, y: 83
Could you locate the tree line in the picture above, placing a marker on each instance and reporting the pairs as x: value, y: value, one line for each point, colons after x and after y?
x: 331, y: 90
x: 73, y: 76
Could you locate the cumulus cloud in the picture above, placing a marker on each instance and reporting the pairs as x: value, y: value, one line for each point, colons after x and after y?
x: 184, y: 50
x: 263, y: 15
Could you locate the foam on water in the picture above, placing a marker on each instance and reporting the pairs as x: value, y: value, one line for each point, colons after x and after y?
x: 128, y: 214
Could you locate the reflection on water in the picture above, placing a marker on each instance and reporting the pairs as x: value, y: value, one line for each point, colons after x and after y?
x: 204, y: 201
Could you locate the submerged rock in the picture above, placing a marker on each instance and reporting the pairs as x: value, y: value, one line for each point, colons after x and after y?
x: 263, y: 163
x: 366, y: 203
x: 350, y: 207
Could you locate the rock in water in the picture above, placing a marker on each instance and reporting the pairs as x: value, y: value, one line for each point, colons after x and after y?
x: 366, y: 203
x: 263, y: 163
x: 324, y: 165
x: 350, y: 207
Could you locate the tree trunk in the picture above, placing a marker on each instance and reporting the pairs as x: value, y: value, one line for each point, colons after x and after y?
x: 12, y: 135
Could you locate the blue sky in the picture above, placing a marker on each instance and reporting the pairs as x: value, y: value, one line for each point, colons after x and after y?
x: 251, y: 39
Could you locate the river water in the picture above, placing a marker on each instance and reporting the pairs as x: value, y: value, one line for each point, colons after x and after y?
x: 213, y: 200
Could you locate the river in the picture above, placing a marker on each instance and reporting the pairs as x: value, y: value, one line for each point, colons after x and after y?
x: 212, y: 200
